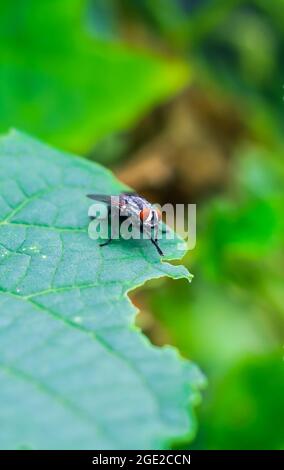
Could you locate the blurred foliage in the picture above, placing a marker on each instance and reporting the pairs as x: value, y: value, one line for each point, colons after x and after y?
x: 233, y: 45
x: 59, y: 82
x: 243, y: 414
x: 77, y: 72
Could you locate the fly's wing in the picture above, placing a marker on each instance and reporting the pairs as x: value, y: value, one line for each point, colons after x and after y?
x: 100, y: 198
x: 129, y: 193
x: 109, y: 200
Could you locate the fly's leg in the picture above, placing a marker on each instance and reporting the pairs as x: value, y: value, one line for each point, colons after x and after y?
x: 106, y: 242
x: 109, y: 222
x: 155, y: 243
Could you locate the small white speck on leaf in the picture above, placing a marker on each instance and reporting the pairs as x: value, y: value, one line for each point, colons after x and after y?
x: 77, y: 319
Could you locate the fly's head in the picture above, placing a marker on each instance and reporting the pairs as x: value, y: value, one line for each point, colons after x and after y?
x: 150, y: 218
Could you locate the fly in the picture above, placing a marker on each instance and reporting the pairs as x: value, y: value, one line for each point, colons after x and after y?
x: 132, y: 205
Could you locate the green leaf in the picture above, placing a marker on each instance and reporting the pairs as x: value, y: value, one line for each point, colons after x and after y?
x: 74, y: 370
x: 61, y: 83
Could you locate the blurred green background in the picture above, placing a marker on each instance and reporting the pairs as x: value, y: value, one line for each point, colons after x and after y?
x: 183, y: 100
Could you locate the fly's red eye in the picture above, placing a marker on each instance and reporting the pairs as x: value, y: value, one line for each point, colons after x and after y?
x: 145, y: 214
